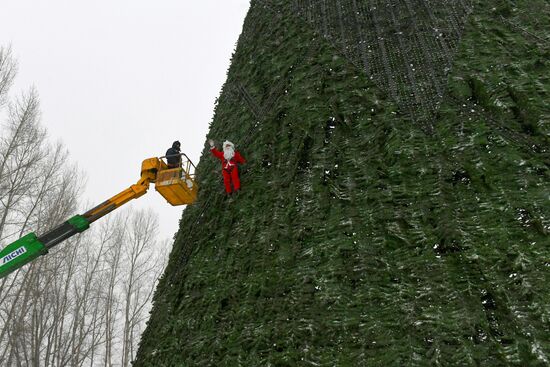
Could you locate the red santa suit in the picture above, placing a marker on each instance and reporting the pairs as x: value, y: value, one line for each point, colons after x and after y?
x: 230, y: 158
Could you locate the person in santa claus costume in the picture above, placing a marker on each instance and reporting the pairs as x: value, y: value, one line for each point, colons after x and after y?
x: 230, y: 159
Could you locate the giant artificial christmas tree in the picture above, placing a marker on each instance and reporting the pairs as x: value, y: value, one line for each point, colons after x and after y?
x: 394, y: 209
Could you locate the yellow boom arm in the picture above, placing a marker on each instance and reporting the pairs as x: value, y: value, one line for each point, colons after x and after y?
x: 149, y: 169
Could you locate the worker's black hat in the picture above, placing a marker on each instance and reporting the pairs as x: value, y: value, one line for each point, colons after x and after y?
x: 176, y: 144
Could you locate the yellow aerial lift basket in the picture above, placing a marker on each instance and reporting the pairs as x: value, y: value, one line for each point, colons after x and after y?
x: 177, y: 185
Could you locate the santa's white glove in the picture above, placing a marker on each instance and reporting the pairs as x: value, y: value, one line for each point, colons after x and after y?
x: 211, y: 142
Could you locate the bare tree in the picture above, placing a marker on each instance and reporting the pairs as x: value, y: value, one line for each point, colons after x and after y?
x: 85, y: 303
x: 20, y: 157
x: 143, y: 264
x: 112, y: 259
x: 51, y: 195
x: 8, y: 69
x: 135, y: 262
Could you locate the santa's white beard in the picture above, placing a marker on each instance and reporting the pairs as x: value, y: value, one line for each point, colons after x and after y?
x: 228, y: 153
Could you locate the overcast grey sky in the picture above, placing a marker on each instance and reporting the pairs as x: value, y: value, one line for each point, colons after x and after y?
x: 119, y: 80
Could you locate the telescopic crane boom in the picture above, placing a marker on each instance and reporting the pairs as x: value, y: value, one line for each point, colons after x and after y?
x: 177, y: 185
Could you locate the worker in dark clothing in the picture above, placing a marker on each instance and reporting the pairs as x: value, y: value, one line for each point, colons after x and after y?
x: 173, y: 157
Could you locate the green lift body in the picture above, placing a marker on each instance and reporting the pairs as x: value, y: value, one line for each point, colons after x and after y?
x: 19, y: 253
